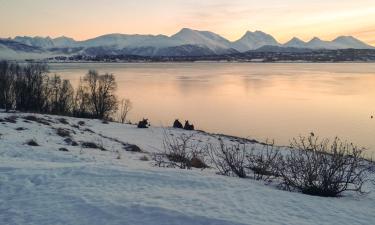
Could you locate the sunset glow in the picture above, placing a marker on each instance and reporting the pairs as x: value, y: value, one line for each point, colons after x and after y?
x: 85, y: 19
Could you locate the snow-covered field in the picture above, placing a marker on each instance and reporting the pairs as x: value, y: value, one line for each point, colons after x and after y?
x: 42, y: 185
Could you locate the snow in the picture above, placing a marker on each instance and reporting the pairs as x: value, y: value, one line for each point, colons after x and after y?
x: 41, y: 185
x: 295, y: 43
x: 254, y: 40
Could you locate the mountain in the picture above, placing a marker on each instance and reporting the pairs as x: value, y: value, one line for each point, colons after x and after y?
x: 124, y: 40
x: 63, y: 41
x: 272, y: 48
x: 14, y: 50
x: 45, y: 42
x: 186, y: 42
x: 254, y: 40
x: 350, y: 42
x: 295, y: 43
x: 317, y: 43
x: 201, y: 38
x: 17, y: 46
x: 342, y: 42
x: 41, y: 42
x: 174, y: 51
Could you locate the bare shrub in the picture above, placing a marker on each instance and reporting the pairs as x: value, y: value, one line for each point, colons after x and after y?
x: 264, y: 163
x: 180, y: 151
x: 323, y: 167
x: 229, y: 159
x: 125, y: 106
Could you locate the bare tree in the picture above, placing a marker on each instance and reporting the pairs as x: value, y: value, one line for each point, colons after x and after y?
x: 264, y: 162
x: 65, y: 105
x: 323, y: 167
x: 82, y: 107
x: 30, y: 86
x: 125, y: 106
x: 8, y: 73
x: 101, y: 90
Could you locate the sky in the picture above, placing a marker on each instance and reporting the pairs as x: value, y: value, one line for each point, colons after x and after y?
x: 284, y: 19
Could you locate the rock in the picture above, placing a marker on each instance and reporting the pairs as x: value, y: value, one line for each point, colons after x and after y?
x: 63, y: 150
x: 188, y: 126
x: 177, y: 124
x: 132, y: 148
x: 143, y: 123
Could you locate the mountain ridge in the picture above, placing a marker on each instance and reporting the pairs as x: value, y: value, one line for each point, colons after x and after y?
x: 183, y: 43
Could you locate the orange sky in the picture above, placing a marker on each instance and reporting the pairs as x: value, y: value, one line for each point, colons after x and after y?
x: 82, y: 19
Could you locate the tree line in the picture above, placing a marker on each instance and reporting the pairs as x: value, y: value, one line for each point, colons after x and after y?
x: 30, y: 88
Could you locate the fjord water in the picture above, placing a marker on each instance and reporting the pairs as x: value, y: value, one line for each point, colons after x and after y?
x: 261, y: 101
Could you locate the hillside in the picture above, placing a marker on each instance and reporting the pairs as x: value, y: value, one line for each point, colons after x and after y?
x: 57, y: 183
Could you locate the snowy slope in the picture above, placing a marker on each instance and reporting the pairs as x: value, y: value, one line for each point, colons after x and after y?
x: 350, y: 42
x: 342, y: 42
x: 254, y: 40
x: 63, y: 42
x: 41, y: 185
x: 201, y: 38
x: 42, y: 42
x: 295, y: 43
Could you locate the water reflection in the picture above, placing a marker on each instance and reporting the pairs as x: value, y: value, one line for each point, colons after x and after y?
x: 276, y: 101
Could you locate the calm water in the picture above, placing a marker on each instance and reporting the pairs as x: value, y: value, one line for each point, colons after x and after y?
x: 274, y: 101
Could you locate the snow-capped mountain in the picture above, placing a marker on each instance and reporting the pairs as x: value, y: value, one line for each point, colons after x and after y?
x: 124, y: 40
x: 186, y: 42
x: 295, y: 43
x: 45, y: 42
x: 201, y: 38
x: 64, y: 42
x: 13, y: 50
x: 350, y: 42
x: 254, y: 40
x: 317, y: 43
x: 342, y: 42
x: 214, y: 43
x: 41, y: 42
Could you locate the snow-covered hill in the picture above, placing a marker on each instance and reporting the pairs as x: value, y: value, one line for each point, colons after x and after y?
x: 58, y: 183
